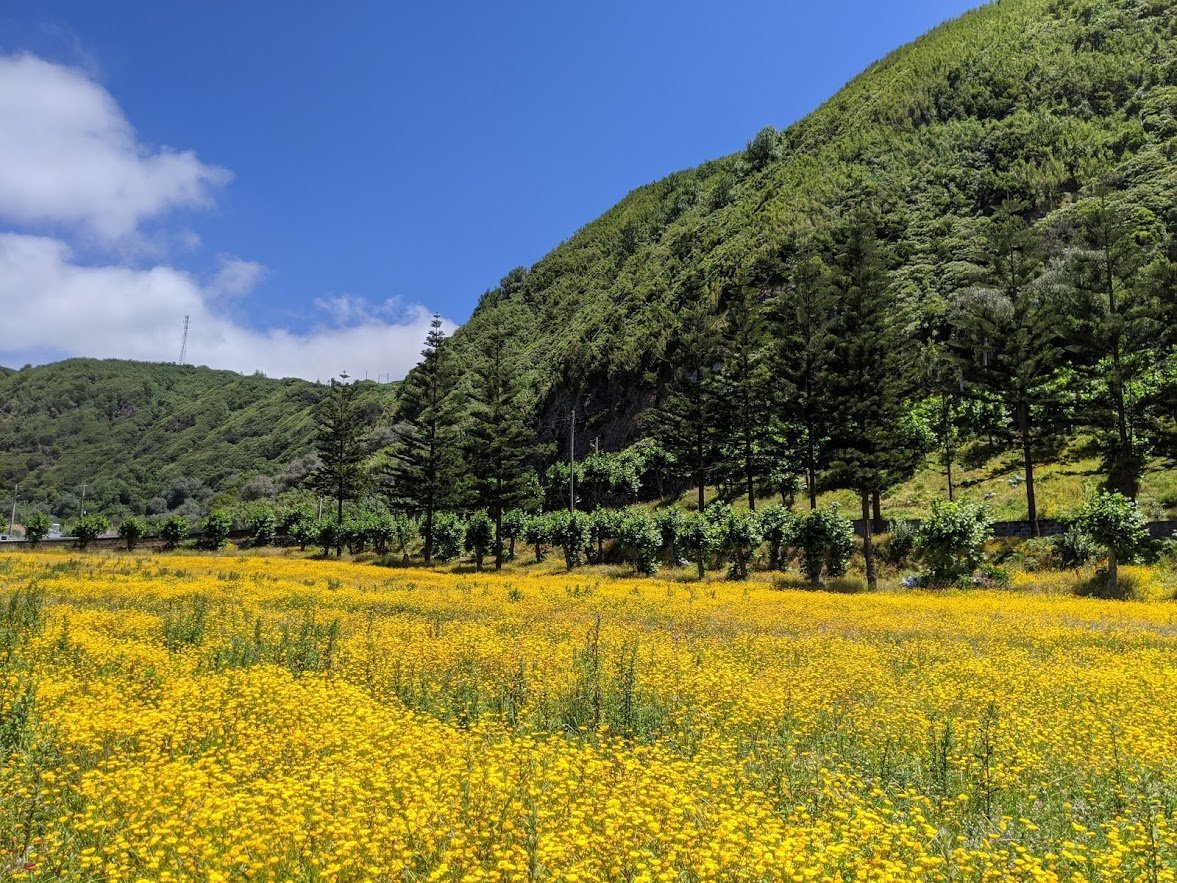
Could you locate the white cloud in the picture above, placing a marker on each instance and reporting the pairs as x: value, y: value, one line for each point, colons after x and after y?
x: 69, y: 156
x: 50, y: 302
x: 236, y: 276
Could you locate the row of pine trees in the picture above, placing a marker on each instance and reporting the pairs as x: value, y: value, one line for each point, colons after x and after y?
x: 826, y: 368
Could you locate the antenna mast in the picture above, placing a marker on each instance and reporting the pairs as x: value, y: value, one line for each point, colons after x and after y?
x: 184, y: 342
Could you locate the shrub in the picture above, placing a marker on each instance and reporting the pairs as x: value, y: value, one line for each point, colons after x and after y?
x: 1112, y: 521
x: 951, y: 543
x: 826, y: 540
x: 1036, y: 554
x: 641, y: 539
x: 131, y: 531
x: 670, y: 523
x: 700, y: 537
x: 214, y: 530
x: 570, y: 530
x: 88, y: 528
x: 779, y: 527
x: 537, y: 532
x: 1073, y: 548
x: 37, y: 527
x: 329, y: 535
x: 513, y: 523
x: 742, y: 533
x: 480, y: 533
x: 173, y: 530
x: 604, y: 524
x: 354, y: 533
x: 404, y: 530
x: 899, y: 542
x: 263, y: 526
x: 380, y: 531
x: 449, y: 533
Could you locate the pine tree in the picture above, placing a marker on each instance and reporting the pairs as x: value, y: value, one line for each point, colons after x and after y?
x: 684, y: 421
x: 745, y: 393
x: 425, y: 467
x: 869, y: 381
x: 802, y: 313
x: 1119, y: 340
x: 341, y: 473
x: 1010, y: 338
x: 500, y: 438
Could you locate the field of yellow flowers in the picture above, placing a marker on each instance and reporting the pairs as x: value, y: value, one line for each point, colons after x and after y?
x: 222, y: 718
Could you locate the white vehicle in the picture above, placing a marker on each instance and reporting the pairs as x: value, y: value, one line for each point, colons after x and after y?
x: 54, y: 532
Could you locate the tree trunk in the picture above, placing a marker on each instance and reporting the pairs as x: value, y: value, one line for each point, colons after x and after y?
x: 1028, y: 466
x: 428, y: 535
x: 811, y: 468
x: 868, y: 551
x: 498, y: 537
x: 876, y: 512
x: 1113, y: 575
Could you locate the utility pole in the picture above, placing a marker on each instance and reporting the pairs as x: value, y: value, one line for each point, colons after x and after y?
x: 12, y: 520
x: 572, y: 464
x: 82, y: 503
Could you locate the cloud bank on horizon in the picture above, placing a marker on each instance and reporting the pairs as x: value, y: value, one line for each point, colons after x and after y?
x: 74, y: 178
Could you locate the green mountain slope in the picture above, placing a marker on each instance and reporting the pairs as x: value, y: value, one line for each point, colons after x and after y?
x: 129, y: 431
x: 1038, y: 101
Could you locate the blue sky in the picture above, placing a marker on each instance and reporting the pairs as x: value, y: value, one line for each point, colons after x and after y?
x: 357, y: 165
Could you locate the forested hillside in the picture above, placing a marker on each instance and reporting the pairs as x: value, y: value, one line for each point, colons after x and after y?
x: 1042, y: 106
x: 145, y: 437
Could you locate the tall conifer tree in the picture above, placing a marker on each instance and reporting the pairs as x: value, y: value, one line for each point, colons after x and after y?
x: 425, y: 471
x: 500, y: 438
x: 869, y: 384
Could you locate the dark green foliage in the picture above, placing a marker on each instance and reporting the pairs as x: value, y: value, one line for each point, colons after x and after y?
x: 132, y: 530
x: 825, y: 538
x: 802, y: 318
x: 670, y: 525
x: 88, y: 528
x: 173, y: 530
x: 37, y: 527
x: 263, y: 526
x: 570, y: 531
x: 742, y: 533
x: 1031, y: 103
x: 700, y: 537
x: 604, y: 525
x: 1113, y: 521
x: 299, y: 526
x: 899, y: 542
x: 513, y: 523
x: 424, y: 472
x: 871, y: 444
x: 214, y: 530
x: 951, y: 543
x: 641, y: 540
x: 750, y: 441
x: 329, y: 535
x: 779, y: 527
x: 449, y: 533
x: 480, y: 532
x: 1074, y: 548
x: 500, y: 440
x: 401, y: 530
x: 342, y: 473
x: 537, y: 533
x: 684, y: 421
x: 128, y: 430
x: 1009, y: 333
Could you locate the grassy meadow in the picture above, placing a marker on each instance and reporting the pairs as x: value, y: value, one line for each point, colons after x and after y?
x: 189, y: 717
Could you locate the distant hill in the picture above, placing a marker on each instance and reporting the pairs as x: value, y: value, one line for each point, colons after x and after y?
x: 1040, y: 102
x: 134, y: 432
